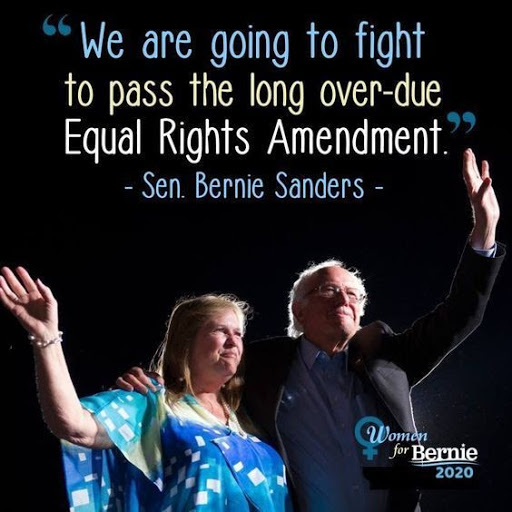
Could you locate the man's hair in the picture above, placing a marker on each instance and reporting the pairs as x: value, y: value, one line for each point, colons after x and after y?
x: 296, y: 294
x: 172, y: 359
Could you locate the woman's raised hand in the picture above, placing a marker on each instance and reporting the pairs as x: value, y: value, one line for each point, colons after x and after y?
x: 31, y: 302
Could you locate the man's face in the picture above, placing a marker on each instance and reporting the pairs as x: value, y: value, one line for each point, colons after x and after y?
x: 329, y: 319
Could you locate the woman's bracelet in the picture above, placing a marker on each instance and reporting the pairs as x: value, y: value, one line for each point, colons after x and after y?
x: 38, y: 342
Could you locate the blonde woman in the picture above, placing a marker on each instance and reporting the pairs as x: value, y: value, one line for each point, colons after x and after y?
x: 176, y: 449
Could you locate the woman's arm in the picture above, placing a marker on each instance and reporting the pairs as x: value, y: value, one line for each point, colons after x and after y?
x: 34, y: 306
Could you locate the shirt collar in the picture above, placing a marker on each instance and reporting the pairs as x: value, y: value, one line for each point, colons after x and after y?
x: 310, y: 352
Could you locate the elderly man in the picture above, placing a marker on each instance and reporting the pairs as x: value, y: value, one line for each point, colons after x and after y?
x: 307, y: 391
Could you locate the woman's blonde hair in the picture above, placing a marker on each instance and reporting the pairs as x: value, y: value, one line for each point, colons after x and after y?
x: 172, y: 359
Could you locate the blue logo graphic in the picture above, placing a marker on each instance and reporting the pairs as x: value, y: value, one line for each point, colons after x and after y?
x: 373, y: 440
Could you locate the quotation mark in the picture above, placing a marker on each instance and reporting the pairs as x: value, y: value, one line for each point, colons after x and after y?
x: 467, y: 117
x: 50, y: 29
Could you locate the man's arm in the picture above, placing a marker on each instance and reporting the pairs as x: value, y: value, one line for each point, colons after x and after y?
x: 428, y: 341
x: 425, y: 344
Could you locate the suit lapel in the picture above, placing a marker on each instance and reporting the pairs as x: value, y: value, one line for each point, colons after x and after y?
x: 389, y: 382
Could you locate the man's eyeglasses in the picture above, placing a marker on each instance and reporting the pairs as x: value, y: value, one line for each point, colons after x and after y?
x: 329, y: 291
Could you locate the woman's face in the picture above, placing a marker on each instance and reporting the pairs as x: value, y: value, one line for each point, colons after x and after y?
x: 217, y: 348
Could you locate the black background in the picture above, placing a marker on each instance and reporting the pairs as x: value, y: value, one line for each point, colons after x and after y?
x: 117, y: 263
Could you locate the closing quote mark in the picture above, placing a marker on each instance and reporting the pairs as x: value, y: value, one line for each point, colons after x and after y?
x: 455, y: 119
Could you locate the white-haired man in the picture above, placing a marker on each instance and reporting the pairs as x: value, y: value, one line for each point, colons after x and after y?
x: 306, y: 391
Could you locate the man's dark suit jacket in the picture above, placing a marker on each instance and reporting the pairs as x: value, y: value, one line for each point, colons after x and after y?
x: 392, y: 363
